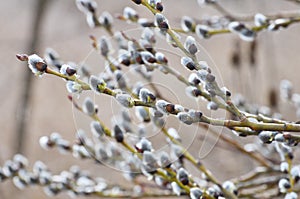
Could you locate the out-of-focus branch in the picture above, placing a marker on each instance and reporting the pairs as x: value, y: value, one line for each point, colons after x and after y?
x: 21, y: 123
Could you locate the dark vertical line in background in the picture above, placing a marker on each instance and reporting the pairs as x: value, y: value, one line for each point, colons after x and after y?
x: 37, y: 18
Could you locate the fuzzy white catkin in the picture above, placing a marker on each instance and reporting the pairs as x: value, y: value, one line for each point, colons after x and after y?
x: 97, y: 129
x: 105, y: 46
x: 175, y: 188
x: 43, y: 141
x: 291, y: 195
x: 86, y: 6
x: 185, y: 118
x: 149, y: 159
x: 73, y: 87
x: 164, y: 159
x: 106, y: 19
x: 90, y: 20
x: 260, y: 19
x: 161, y: 106
x: 21, y: 160
x: 144, y: 145
x: 202, y: 31
x: 130, y: 14
x: 187, y: 23
x: 125, y: 99
x: 195, y: 193
x: 88, y: 106
x: 190, y: 45
x: 33, y: 60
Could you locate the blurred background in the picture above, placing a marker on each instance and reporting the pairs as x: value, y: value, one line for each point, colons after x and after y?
x: 33, y: 25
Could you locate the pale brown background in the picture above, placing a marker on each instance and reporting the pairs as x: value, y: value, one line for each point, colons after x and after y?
x: 65, y: 30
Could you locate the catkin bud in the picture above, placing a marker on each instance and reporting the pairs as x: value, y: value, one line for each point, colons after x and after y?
x: 185, y: 118
x: 144, y: 22
x: 22, y: 57
x: 19, y: 183
x: 182, y: 176
x: 260, y: 20
x: 52, y: 57
x: 202, y: 74
x: 188, y: 63
x: 144, y: 145
x: 96, y: 84
x: 63, y: 146
x: 143, y: 114
x: 73, y: 87
x: 236, y: 27
x: 267, y: 136
x: 229, y: 186
x: 101, y: 153
x: 149, y: 160
x: 190, y: 45
x: 91, y: 20
x: 106, y: 20
x: 158, y: 5
x: 88, y: 106
x: 159, y: 122
x: 45, y: 143
x: 295, y: 173
x: 137, y: 1
x: 146, y: 45
x: 247, y: 35
x: 194, y: 79
x: 97, y: 129
x: 284, y: 167
x: 161, y: 58
x: 176, y: 188
x: 122, y: 42
x: 86, y: 6
x: 124, y: 57
x: 277, y: 24
x: 126, y: 115
x: 279, y: 137
x: 164, y: 160
x: 118, y: 134
x: 195, y: 115
x: 187, y: 23
x: 210, y: 78
x: 240, y: 29
x: 212, y: 106
x: 195, y: 193
x: 162, y: 105
x: 120, y: 78
x: 202, y: 31
x: 147, y: 57
x: 161, y: 22
x: 203, y: 65
x: 130, y: 14
x: 104, y: 46
x: 146, y: 96
x: 284, y: 185
x: 226, y: 91
x: 125, y: 99
x: 148, y: 35
x: 36, y: 64
x: 67, y: 70
x: 291, y: 195
x: 20, y: 160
